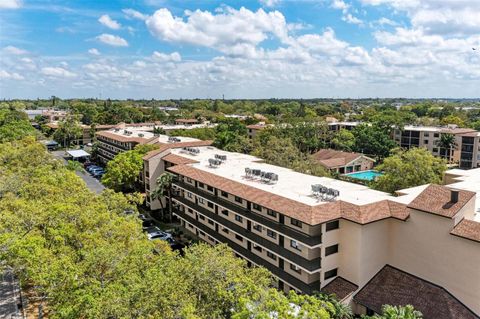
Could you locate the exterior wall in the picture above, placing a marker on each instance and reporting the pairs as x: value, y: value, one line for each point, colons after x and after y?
x: 423, y: 246
x: 155, y: 167
x: 303, y: 275
x: 305, y: 228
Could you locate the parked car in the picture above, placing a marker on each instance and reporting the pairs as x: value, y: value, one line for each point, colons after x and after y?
x: 98, y: 173
x: 147, y: 223
x: 156, y: 233
x: 129, y: 211
x: 92, y: 167
x: 97, y: 170
x: 87, y: 164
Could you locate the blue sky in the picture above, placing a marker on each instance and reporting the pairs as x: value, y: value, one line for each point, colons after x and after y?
x: 243, y: 49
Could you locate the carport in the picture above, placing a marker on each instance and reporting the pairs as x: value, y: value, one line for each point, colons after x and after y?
x: 78, y: 155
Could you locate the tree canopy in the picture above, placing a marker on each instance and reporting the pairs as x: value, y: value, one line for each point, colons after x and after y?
x: 409, y: 168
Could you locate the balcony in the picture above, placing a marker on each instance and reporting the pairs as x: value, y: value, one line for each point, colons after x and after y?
x: 278, y: 272
x: 281, y: 228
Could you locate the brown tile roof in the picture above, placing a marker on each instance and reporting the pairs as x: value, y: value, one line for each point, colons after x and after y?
x: 395, y: 287
x: 339, y: 287
x: 468, y: 229
x: 177, y: 159
x: 165, y: 147
x: 186, y: 120
x: 333, y: 158
x: 457, y: 130
x: 122, y: 138
x: 435, y: 199
x: 311, y: 215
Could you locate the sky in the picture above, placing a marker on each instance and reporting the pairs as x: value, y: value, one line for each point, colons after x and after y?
x: 168, y: 49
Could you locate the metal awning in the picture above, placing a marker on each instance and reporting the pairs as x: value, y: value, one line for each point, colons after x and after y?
x: 78, y: 153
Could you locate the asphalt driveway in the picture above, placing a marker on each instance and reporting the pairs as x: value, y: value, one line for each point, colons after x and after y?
x: 92, y: 183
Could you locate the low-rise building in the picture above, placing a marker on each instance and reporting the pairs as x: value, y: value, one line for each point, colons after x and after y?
x: 186, y: 121
x: 321, y: 234
x: 253, y: 129
x: 343, y: 162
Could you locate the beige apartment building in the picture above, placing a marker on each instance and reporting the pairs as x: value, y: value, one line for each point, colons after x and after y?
x: 320, y: 234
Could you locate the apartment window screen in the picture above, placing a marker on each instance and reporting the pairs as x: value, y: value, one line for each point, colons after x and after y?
x: 295, y: 222
x: 271, y: 213
x: 238, y: 199
x: 331, y: 250
x: 238, y: 218
x: 272, y: 256
x: 330, y: 274
x: 257, y: 207
x: 332, y: 225
x: 271, y: 234
x: 295, y: 245
x: 295, y: 268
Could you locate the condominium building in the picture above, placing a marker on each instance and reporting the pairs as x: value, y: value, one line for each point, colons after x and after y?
x: 320, y: 234
x: 343, y: 162
x: 116, y: 140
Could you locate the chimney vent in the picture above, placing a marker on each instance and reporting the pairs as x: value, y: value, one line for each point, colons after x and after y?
x: 453, y: 196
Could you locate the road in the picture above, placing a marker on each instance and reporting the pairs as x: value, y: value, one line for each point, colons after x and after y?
x: 92, y: 183
x: 9, y: 297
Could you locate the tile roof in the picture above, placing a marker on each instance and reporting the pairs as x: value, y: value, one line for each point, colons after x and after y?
x: 435, y: 199
x: 333, y: 158
x: 121, y: 138
x: 186, y: 120
x: 165, y: 147
x: 395, y: 287
x: 257, y: 126
x: 177, y: 160
x: 312, y: 215
x: 339, y: 287
x: 468, y: 229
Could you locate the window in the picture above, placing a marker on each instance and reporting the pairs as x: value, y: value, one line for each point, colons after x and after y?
x: 201, y: 233
x: 238, y: 199
x: 211, y: 238
x: 257, y: 207
x: 210, y: 204
x: 225, y: 230
x: 272, y: 256
x: 425, y: 141
x: 271, y: 213
x: 271, y: 233
x: 210, y: 188
x: 295, y: 268
x: 295, y: 222
x: 257, y: 248
x: 435, y: 149
x: 257, y: 227
x: 426, y: 134
x: 211, y: 222
x: 239, y: 238
x: 189, y: 195
x: 332, y: 225
x: 295, y: 245
x: 225, y: 212
x: 201, y: 217
x: 330, y: 274
x: 224, y: 194
x: 201, y: 185
x: 200, y: 200
x: 189, y: 179
x: 331, y: 250
x: 190, y: 210
x: 239, y: 218
x: 436, y: 135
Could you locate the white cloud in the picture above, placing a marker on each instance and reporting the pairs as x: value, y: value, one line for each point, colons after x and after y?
x: 109, y: 22
x: 10, y: 4
x: 14, y: 50
x: 229, y: 30
x: 340, y: 5
x: 162, y: 57
x: 269, y: 3
x: 130, y: 13
x: 325, y: 43
x: 93, y: 51
x: 57, y: 72
x: 349, y: 18
x: 385, y: 21
x: 10, y: 76
x: 113, y: 40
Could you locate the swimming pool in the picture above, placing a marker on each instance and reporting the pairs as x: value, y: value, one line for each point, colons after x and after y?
x: 365, y: 175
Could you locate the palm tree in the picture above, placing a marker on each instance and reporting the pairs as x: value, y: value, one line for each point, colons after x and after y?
x: 341, y: 310
x: 447, y: 143
x: 164, y: 184
x: 399, y: 312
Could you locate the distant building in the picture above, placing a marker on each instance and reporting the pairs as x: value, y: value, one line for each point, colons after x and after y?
x: 343, y: 162
x: 253, y: 129
x: 186, y: 121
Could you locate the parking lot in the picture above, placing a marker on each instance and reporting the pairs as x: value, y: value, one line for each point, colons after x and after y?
x: 92, y: 183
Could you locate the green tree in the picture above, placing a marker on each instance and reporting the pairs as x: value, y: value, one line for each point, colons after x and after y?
x: 452, y: 119
x: 397, y: 312
x: 123, y: 172
x: 404, y: 169
x: 372, y: 140
x: 68, y: 131
x: 164, y: 187
x: 447, y: 143
x: 14, y: 124
x: 344, y: 140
